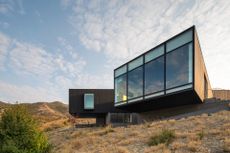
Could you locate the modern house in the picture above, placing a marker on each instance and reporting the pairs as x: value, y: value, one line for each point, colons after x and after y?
x: 171, y: 74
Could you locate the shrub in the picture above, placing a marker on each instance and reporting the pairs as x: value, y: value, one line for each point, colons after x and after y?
x: 19, y: 132
x: 201, y: 135
x: 166, y: 136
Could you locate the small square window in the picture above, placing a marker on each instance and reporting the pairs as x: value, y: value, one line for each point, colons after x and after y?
x: 89, y: 101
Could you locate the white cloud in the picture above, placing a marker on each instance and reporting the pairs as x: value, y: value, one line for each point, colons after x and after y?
x: 4, y: 25
x: 31, y: 59
x: 125, y: 29
x: 65, y: 3
x: 86, y: 80
x: 73, y: 67
x: 5, y: 7
x: 11, y: 6
x: 54, y: 71
x: 4, y: 45
x: 12, y: 93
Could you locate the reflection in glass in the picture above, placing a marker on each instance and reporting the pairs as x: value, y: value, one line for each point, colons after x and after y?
x: 135, y: 83
x: 179, y: 67
x: 120, y: 88
x: 135, y: 63
x: 154, y: 76
x: 154, y: 53
x: 179, y: 88
x: 179, y: 40
x: 121, y: 70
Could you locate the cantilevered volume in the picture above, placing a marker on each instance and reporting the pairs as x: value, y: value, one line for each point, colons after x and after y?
x: 170, y: 74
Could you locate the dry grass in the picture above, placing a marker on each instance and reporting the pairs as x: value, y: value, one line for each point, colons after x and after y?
x: 227, y: 145
x: 194, y: 134
x: 165, y: 136
x: 194, y: 146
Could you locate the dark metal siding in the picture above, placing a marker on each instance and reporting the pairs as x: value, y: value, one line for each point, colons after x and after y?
x: 103, y: 102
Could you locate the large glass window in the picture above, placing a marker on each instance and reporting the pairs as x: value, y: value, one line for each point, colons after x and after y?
x: 120, y: 88
x: 121, y: 70
x: 154, y: 76
x: 179, y: 40
x: 88, y: 101
x: 135, y: 83
x: 135, y: 63
x: 179, y: 66
x: 154, y: 53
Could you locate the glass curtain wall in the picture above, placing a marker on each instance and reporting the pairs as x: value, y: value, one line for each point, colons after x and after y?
x: 121, y: 85
x: 135, y: 79
x: 165, y: 69
x: 179, y: 57
x: 154, y: 71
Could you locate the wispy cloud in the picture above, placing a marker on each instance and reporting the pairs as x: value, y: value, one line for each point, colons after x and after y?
x: 55, y: 70
x: 66, y: 3
x: 11, y: 6
x: 28, y: 58
x: 115, y: 30
x: 125, y: 29
x: 24, y: 93
x: 4, y: 44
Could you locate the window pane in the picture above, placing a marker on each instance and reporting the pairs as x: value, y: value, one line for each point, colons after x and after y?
x: 154, y: 76
x: 137, y: 62
x: 179, y: 41
x: 179, y: 66
x: 179, y: 88
x: 154, y: 53
x: 155, y: 95
x: 121, y: 70
x: 135, y: 83
x: 89, y: 101
x: 120, y: 88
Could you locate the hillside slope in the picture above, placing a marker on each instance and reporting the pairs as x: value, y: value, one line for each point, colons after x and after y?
x: 206, y: 133
x: 48, y: 114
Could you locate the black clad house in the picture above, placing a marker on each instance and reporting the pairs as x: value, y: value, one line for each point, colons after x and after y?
x: 171, y: 74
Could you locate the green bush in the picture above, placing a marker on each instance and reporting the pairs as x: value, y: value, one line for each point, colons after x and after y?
x: 19, y: 132
x: 201, y: 135
x: 166, y: 136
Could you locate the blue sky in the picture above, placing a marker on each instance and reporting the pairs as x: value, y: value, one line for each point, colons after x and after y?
x: 47, y: 47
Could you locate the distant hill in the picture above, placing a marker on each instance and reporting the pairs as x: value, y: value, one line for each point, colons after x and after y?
x: 48, y: 114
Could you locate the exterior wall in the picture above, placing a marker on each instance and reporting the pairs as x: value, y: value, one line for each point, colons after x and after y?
x: 200, y: 71
x: 222, y: 94
x: 179, y: 94
x: 103, y: 102
x: 176, y: 57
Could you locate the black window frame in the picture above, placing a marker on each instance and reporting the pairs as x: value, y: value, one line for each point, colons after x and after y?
x: 131, y: 99
x: 122, y: 101
x: 164, y: 54
x: 192, y: 65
